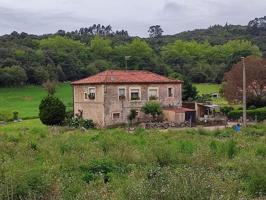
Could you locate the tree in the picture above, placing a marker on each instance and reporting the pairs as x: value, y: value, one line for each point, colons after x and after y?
x: 100, y: 47
x: 141, y: 53
x: 153, y: 108
x: 132, y: 115
x: 52, y: 111
x: 155, y: 31
x: 12, y: 76
x: 255, y: 80
x: 50, y: 87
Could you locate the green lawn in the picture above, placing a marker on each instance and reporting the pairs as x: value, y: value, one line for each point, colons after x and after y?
x: 40, y: 162
x: 209, y: 88
x: 26, y: 100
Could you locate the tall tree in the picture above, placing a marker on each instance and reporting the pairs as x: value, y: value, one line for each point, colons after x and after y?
x: 155, y: 31
x: 256, y: 82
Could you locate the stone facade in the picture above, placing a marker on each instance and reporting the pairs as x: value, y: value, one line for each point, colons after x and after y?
x: 107, y: 108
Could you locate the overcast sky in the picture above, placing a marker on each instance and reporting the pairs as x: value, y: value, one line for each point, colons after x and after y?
x: 48, y: 16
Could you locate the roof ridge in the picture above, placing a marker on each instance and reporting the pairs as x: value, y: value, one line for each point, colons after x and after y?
x: 126, y: 76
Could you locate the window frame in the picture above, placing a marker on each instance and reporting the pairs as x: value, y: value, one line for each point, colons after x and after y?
x: 173, y: 93
x: 153, y: 88
x: 135, y: 88
x: 116, y: 113
x: 118, y: 92
x: 88, y: 93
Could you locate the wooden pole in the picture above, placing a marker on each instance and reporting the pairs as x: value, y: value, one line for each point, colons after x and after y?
x: 244, y: 94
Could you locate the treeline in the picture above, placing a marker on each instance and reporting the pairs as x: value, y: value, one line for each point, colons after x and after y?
x: 64, y: 56
x: 254, y: 31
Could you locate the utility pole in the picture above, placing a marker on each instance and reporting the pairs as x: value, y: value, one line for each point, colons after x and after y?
x: 244, y: 94
x: 126, y: 59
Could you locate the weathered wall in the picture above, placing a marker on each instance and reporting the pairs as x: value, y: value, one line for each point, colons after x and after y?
x: 172, y: 116
x: 113, y: 104
x: 92, y: 109
x: 107, y: 101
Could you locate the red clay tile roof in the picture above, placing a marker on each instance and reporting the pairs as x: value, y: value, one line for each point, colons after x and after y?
x: 125, y: 76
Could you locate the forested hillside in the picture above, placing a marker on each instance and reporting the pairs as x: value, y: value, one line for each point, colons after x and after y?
x: 255, y: 31
x: 200, y: 55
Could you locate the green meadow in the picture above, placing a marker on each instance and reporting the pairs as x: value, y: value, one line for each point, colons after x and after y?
x: 26, y: 99
x: 209, y: 88
x: 40, y: 162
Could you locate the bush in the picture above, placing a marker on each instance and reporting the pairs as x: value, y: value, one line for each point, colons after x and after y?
x: 226, y: 110
x: 15, y: 115
x: 5, y: 116
x: 81, y: 123
x: 153, y: 108
x: 132, y: 115
x: 52, y: 111
x: 259, y: 113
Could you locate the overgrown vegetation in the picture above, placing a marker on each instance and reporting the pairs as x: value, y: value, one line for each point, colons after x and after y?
x: 38, y: 162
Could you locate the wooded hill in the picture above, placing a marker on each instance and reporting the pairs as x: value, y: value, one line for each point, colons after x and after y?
x: 199, y: 55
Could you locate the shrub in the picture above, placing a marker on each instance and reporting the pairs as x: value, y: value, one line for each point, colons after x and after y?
x: 132, y: 115
x: 259, y: 113
x: 153, y: 108
x: 15, y: 115
x: 52, y: 111
x: 33, y: 145
x: 5, y: 116
x: 226, y: 110
x: 81, y: 123
x: 99, y: 167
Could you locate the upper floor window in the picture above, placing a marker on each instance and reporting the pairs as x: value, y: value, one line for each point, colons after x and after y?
x: 153, y: 93
x: 92, y: 93
x: 121, y: 93
x: 170, y: 92
x: 135, y: 94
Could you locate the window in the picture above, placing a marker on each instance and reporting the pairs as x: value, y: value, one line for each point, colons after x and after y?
x: 135, y: 94
x: 86, y: 96
x: 116, y: 116
x: 121, y: 93
x: 92, y: 93
x: 153, y: 93
x: 170, y: 92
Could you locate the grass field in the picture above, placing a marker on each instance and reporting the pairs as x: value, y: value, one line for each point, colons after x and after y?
x: 39, y: 162
x: 26, y: 100
x: 209, y: 88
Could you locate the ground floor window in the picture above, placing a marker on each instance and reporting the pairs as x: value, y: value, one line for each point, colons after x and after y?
x: 116, y: 116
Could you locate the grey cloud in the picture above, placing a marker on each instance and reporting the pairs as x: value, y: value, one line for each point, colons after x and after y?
x: 46, y: 16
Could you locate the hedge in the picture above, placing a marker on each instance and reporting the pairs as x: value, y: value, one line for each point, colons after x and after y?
x: 260, y: 113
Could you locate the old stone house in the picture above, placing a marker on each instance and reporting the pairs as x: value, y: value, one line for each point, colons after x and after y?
x: 108, y: 97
